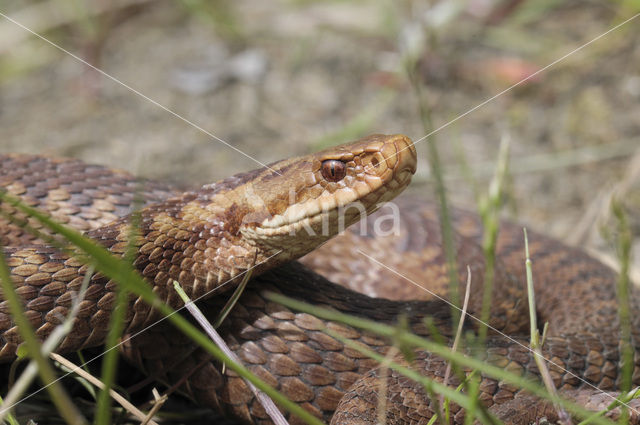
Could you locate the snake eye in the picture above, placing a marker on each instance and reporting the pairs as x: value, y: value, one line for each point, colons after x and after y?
x: 333, y: 170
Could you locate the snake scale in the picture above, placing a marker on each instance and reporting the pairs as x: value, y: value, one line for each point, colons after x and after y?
x: 207, y: 238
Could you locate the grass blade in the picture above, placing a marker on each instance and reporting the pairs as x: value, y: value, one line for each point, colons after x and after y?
x: 437, y: 349
x: 264, y: 400
x: 116, y: 328
x: 59, y: 397
x: 119, y: 270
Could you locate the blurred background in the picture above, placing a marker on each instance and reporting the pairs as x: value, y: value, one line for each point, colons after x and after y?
x: 280, y: 78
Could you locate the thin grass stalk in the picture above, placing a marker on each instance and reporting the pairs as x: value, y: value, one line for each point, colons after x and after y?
x: 490, y: 221
x: 383, y: 386
x: 413, y: 340
x: 110, y: 359
x: 441, y: 193
x: 70, y: 366
x: 443, y: 417
x: 116, y: 328
x: 430, y: 385
x: 59, y: 397
x: 473, y: 390
x: 90, y: 388
x: 234, y: 298
x: 117, y: 269
x: 440, y: 404
x: 10, y: 418
x: 437, y: 337
x: 270, y: 408
x: 620, y: 401
x: 531, y: 296
x: 447, y: 403
x: 458, y: 336
x: 466, y: 379
x: 537, y: 340
x: 158, y: 402
x: 433, y: 420
x: 19, y: 387
x: 624, y: 308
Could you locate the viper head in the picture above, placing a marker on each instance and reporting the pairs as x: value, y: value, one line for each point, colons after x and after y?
x: 300, y: 202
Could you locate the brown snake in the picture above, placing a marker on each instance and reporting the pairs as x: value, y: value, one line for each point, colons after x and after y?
x: 246, y: 218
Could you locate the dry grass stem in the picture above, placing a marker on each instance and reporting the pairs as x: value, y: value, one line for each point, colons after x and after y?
x: 266, y: 402
x: 95, y: 381
x: 382, y: 386
x: 537, y: 340
x: 47, y: 347
x: 236, y: 294
x: 458, y: 337
x: 158, y: 402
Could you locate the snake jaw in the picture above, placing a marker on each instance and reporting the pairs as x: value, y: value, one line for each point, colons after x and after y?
x: 378, y: 168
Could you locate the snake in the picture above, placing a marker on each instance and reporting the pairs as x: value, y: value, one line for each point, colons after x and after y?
x: 208, y: 238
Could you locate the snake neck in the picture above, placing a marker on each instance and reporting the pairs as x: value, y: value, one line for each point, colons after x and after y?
x: 203, y: 239
x: 207, y: 238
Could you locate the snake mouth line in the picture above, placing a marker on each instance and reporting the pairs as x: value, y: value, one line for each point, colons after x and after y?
x: 378, y: 169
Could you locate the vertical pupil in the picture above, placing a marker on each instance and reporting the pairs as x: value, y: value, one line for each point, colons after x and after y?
x: 333, y: 170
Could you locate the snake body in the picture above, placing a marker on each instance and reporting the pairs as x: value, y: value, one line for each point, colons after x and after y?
x: 203, y: 239
x: 290, y: 350
x: 575, y: 293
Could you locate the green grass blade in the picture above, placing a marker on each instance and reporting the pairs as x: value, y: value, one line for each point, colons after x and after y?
x: 19, y: 386
x: 267, y: 404
x: 442, y: 351
x: 59, y: 397
x: 10, y: 418
x: 620, y: 401
x: 489, y: 210
x: 450, y: 393
x: 116, y: 328
x: 110, y: 359
x: 119, y: 270
x: 624, y: 241
x: 437, y: 172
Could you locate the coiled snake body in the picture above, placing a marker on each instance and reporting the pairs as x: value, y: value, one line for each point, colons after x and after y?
x: 208, y: 237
